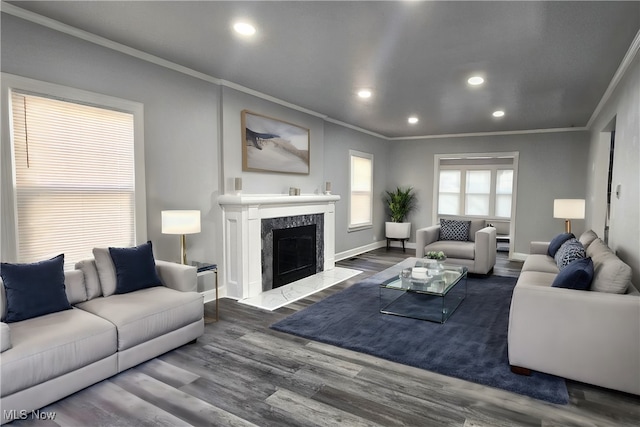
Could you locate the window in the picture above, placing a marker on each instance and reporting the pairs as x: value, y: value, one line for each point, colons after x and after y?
x: 74, y: 180
x: 361, y: 190
x: 504, y: 189
x: 485, y: 191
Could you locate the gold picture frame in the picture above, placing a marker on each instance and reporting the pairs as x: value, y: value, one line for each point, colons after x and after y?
x: 273, y: 145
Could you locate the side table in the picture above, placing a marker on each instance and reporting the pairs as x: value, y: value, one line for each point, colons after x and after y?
x: 205, y: 268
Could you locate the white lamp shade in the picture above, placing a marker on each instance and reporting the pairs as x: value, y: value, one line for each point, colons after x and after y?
x: 568, y: 208
x: 180, y: 222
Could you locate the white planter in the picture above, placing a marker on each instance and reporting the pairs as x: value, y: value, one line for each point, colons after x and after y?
x: 397, y: 230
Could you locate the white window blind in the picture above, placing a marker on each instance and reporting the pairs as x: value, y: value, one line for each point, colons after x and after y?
x: 361, y: 191
x: 478, y: 192
x: 74, y: 175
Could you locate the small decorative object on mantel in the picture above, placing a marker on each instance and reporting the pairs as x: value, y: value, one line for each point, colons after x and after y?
x: 237, y: 185
x: 327, y: 188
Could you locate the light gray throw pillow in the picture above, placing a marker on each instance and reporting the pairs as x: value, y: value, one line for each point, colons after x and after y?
x: 91, y: 279
x: 610, y: 274
x: 106, y: 271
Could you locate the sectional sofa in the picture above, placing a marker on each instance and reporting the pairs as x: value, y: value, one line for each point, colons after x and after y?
x: 103, y: 332
x: 590, y: 335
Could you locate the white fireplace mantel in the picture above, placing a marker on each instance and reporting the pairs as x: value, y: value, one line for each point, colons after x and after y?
x: 242, y: 241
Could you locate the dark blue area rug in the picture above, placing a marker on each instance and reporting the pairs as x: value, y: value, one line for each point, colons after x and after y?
x: 471, y: 345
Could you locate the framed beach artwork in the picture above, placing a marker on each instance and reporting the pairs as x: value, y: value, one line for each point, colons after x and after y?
x: 272, y: 145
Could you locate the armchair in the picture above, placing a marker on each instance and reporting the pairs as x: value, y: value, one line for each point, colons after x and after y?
x: 478, y: 253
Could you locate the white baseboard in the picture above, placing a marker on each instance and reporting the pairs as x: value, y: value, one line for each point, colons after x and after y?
x: 359, y: 250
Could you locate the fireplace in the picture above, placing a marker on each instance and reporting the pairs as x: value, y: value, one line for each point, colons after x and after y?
x: 292, y: 248
x: 294, y: 254
x: 249, y: 221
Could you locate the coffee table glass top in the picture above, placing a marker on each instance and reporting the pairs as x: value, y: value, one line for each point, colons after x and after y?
x: 434, y: 284
x: 424, y: 293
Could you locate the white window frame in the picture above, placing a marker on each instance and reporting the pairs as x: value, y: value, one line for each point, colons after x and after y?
x: 8, y: 207
x: 369, y: 156
x: 437, y: 167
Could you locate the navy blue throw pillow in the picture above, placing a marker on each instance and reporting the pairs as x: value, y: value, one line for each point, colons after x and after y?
x: 557, y: 241
x: 135, y: 268
x: 34, y: 289
x: 577, y: 274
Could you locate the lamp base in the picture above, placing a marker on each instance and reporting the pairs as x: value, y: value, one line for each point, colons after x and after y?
x: 567, y: 226
x: 183, y: 249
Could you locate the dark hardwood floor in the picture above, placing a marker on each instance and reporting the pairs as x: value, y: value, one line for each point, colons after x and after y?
x: 242, y: 373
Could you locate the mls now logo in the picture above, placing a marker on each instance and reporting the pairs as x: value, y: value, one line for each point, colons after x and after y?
x: 23, y: 414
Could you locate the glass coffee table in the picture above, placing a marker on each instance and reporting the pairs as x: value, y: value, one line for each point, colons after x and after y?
x: 432, y: 298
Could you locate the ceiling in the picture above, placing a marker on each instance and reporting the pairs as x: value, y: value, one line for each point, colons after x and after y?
x: 546, y: 64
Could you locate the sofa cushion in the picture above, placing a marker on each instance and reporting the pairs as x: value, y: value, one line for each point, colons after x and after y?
x: 536, y: 278
x: 453, y: 249
x: 587, y: 238
x: 106, y: 271
x: 91, y: 279
x: 135, y: 268
x: 558, y: 241
x: 34, y: 289
x: 451, y: 229
x: 577, y: 275
x: 611, y: 274
x: 148, y: 313
x: 5, y: 337
x: 48, y: 346
x: 537, y: 262
x: 570, y: 250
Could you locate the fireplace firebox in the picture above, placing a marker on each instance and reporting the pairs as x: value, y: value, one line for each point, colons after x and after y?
x: 294, y: 254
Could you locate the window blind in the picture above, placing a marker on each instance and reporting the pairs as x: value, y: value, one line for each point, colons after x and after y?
x: 361, y: 191
x: 74, y: 177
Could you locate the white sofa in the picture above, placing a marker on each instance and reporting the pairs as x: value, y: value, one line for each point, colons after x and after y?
x: 478, y: 253
x: 587, y: 336
x: 49, y: 357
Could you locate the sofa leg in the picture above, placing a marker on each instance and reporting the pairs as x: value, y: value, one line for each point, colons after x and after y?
x: 520, y: 370
x: 193, y: 342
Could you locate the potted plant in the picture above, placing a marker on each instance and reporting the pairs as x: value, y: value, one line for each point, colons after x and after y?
x: 399, y: 204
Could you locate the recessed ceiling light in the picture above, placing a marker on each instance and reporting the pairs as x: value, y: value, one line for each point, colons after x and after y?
x: 244, y: 28
x: 364, y: 93
x: 475, y: 80
x: 413, y: 120
x: 498, y: 113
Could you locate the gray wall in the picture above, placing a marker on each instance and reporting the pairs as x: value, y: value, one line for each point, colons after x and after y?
x: 192, y: 149
x: 180, y: 121
x: 338, y: 141
x: 551, y: 166
x: 233, y: 102
x: 624, y: 233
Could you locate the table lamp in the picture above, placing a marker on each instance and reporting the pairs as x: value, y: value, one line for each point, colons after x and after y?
x: 568, y: 209
x: 183, y: 223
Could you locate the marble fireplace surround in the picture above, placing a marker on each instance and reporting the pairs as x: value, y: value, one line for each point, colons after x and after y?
x: 242, y: 216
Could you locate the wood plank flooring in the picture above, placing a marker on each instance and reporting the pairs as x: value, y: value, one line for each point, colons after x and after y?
x: 241, y: 373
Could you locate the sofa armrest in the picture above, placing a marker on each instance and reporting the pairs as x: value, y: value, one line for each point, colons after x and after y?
x: 5, y: 337
x: 178, y: 276
x: 424, y: 237
x: 539, y: 248
x: 592, y: 337
x: 485, y: 250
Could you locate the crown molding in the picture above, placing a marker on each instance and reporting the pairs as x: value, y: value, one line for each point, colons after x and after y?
x: 497, y: 133
x: 617, y: 77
